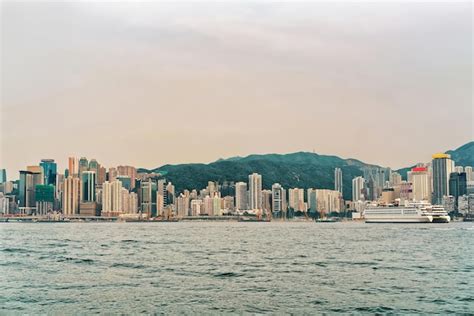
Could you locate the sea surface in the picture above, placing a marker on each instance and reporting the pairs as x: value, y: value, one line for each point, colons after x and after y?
x: 231, y: 267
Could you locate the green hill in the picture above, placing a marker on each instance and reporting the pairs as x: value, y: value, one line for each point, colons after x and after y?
x: 301, y: 169
x: 295, y: 170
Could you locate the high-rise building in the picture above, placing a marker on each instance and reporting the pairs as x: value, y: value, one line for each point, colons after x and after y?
x: 469, y: 173
x: 458, y: 169
x: 128, y: 171
x: 49, y: 171
x: 125, y: 197
x: 44, y: 195
x: 241, y: 194
x: 216, y: 205
x: 182, y: 205
x: 112, y: 175
x: 126, y: 181
x: 338, y: 179
x: 28, y: 180
x: 94, y: 166
x: 358, y: 185
x: 255, y: 191
x: 73, y: 168
x: 395, y: 179
x: 421, y: 184
x: 3, y: 175
x: 296, y: 199
x: 148, y: 195
x: 88, y: 181
x: 83, y: 166
x: 329, y: 201
x: 457, y: 186
x: 278, y: 197
x: 133, y: 203
x: 112, y: 197
x: 101, y: 175
x: 442, y: 167
x: 267, y: 200
x: 71, y: 195
x: 212, y: 188
x: 25, y: 189
x: 229, y: 203
x: 312, y: 200
x: 196, y: 207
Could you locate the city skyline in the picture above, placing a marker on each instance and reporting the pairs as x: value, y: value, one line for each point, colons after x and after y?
x: 63, y: 164
x: 175, y: 83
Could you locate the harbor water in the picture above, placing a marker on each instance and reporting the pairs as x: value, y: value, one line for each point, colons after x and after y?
x: 231, y: 267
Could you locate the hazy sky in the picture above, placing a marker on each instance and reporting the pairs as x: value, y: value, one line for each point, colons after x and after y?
x: 154, y: 83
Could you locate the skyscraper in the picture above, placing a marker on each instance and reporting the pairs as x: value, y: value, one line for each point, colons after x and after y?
x: 3, y: 175
x: 44, y: 195
x: 49, y: 171
x: 71, y: 195
x: 112, y: 197
x: 296, y: 199
x: 128, y: 171
x: 83, y: 166
x: 338, y: 179
x: 88, y: 182
x: 457, y: 186
x: 112, y: 174
x: 328, y: 201
x: 421, y: 184
x: 358, y: 185
x: 442, y: 167
x: 25, y: 189
x: 94, y: 166
x: 72, y: 167
x: 469, y: 174
x: 101, y: 175
x: 312, y: 200
x: 395, y: 179
x: 28, y: 181
x: 148, y: 192
x: 255, y: 191
x: 241, y: 194
x: 277, y: 198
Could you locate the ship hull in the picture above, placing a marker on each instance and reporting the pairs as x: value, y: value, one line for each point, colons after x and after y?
x: 441, y: 219
x: 421, y: 219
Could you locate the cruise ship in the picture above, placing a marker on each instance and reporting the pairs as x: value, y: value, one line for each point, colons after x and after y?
x: 438, y: 213
x: 397, y: 214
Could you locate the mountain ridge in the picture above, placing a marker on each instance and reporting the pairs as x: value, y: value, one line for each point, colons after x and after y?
x: 299, y: 169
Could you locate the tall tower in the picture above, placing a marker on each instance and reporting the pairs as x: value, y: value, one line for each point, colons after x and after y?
x: 421, y: 184
x: 277, y: 197
x: 71, y: 195
x: 338, y: 179
x: 358, y: 184
x: 83, y: 166
x: 49, y: 171
x: 72, y: 166
x: 241, y: 196
x: 442, y: 167
x: 3, y: 175
x: 88, y: 186
x: 255, y: 191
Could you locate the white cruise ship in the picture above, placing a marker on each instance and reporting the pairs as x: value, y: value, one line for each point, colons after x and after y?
x: 397, y: 214
x: 438, y: 213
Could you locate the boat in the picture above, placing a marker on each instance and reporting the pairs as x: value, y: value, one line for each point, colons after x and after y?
x: 411, y: 213
x: 438, y: 213
x: 252, y: 219
x: 326, y: 220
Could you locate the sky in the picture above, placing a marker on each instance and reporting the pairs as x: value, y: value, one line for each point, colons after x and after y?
x: 147, y: 83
